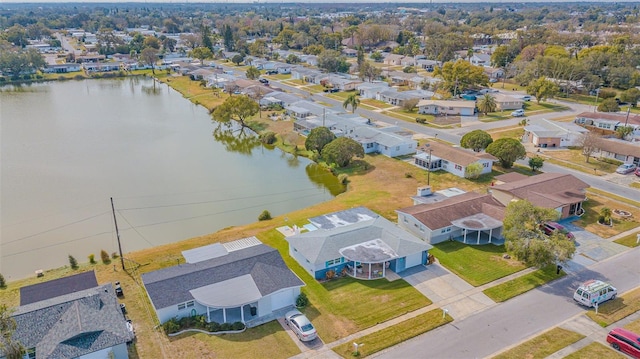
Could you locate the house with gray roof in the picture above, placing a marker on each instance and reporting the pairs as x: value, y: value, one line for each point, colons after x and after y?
x: 545, y: 133
x: 71, y: 317
x: 240, y: 281
x: 387, y: 142
x: 356, y: 242
x: 435, y: 156
x: 372, y: 90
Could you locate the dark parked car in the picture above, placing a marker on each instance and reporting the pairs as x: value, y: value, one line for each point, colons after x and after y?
x: 264, y: 81
x: 550, y: 227
x: 119, y: 291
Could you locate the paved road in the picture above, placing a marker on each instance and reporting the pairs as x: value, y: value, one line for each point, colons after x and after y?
x: 519, y: 318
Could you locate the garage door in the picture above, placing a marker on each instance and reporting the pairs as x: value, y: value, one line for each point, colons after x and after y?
x: 413, y: 260
x: 281, y: 299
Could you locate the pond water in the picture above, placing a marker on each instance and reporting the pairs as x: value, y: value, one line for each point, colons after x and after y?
x: 67, y: 147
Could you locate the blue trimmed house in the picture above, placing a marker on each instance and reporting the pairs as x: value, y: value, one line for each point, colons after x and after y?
x: 356, y: 242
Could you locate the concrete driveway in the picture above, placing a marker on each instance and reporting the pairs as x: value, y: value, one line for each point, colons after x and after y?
x: 590, y: 248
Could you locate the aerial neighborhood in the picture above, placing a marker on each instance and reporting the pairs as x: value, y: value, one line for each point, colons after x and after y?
x: 484, y: 162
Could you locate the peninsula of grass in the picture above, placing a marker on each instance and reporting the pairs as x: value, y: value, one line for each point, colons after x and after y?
x: 522, y: 284
x: 612, y: 311
x: 543, y: 345
x: 595, y: 350
x: 390, y: 336
x: 629, y: 241
x: 477, y: 265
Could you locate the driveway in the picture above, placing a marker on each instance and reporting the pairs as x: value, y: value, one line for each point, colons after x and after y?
x: 590, y: 248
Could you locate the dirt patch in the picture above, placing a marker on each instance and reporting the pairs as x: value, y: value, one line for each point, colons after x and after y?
x: 446, y: 120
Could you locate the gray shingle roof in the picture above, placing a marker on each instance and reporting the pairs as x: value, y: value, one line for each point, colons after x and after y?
x: 73, y: 324
x: 324, y: 244
x: 170, y: 286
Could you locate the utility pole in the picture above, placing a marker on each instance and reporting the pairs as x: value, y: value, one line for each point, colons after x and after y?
x: 115, y: 221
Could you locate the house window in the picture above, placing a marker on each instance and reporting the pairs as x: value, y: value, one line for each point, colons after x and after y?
x: 485, y: 165
x: 181, y: 306
x: 190, y: 303
x: 405, y: 219
x: 31, y: 353
x: 458, y: 167
x: 332, y: 262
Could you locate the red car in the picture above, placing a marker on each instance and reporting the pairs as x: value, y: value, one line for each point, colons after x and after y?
x: 550, y: 227
x: 637, y: 172
x: 625, y: 341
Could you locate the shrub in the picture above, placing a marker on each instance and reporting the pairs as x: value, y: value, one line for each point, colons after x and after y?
x: 610, y: 160
x: 607, y: 93
x: 3, y: 79
x: 78, y: 77
x: 3, y: 283
x: 26, y: 77
x: 104, y: 256
x: 213, y: 327
x: 114, y: 255
x: 343, y: 178
x: 92, y: 258
x: 268, y: 138
x: 73, y: 262
x: 330, y: 274
x: 171, y: 326
x: 408, y: 175
x: 237, y: 326
x: 225, y: 327
x: 264, y: 216
x: 302, y: 300
x: 421, y: 120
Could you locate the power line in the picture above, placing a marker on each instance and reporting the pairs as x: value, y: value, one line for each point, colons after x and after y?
x: 54, y: 244
x: 134, y: 228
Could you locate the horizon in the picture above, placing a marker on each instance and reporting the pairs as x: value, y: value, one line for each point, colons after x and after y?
x: 423, y: 2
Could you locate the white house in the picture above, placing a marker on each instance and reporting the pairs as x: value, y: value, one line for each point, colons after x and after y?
x: 356, y: 242
x: 71, y: 317
x: 240, y: 281
x: 437, y: 156
x: 372, y: 90
x: 545, y: 133
x: 446, y: 107
x: 388, y: 143
x: 506, y: 102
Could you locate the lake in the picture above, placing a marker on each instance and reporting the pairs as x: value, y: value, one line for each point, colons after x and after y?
x: 67, y: 147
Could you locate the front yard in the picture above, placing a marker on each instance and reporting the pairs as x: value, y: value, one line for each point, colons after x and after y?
x: 477, y: 265
x: 594, y: 205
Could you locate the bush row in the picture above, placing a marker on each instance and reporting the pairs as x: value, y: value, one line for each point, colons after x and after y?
x: 176, y: 325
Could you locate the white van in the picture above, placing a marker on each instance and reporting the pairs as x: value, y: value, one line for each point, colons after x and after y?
x: 594, y: 291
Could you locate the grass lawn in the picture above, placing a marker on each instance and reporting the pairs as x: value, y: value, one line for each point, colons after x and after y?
x: 525, y: 283
x: 507, y: 132
x: 196, y: 93
x: 340, y: 96
x: 314, y: 88
x: 576, y: 160
x: 633, y: 326
x: 596, y: 350
x: 543, y: 345
x: 629, y: 241
x: 614, y: 196
x: 374, y: 103
x: 280, y: 76
x: 594, y: 205
x: 477, y: 265
x: 393, y: 335
x: 611, y: 311
x: 532, y: 106
x: 635, y: 185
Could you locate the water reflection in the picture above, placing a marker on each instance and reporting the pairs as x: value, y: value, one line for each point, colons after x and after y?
x: 323, y: 178
x: 235, y: 138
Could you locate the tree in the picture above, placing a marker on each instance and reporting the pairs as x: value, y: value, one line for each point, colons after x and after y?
x: 3, y: 282
x: 376, y: 56
x: 318, y: 138
x: 631, y: 96
x: 201, y: 53
x: 535, y: 163
x: 352, y: 101
x: 590, y: 142
x: 104, y: 256
x: 227, y: 35
x: 151, y: 41
x: 73, y: 263
x: 237, y: 59
x: 253, y: 73
x: 542, y: 89
x: 487, y: 103
x: 410, y: 104
x: 9, y: 347
x: 476, y: 140
x: 609, y: 105
x: 292, y: 59
x: 239, y: 108
x: 368, y: 71
x: 527, y: 242
x: 473, y: 170
x: 149, y: 56
x: 623, y: 131
x: 507, y: 150
x: 461, y: 75
x: 332, y: 61
x: 341, y: 150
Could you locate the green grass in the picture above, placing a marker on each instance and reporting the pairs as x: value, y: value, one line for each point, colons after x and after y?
x: 543, y: 345
x: 612, y: 311
x: 629, y: 241
x: 614, y: 196
x: 375, y: 103
x: 595, y: 350
x: 633, y: 326
x: 395, y: 334
x: 477, y: 265
x: 525, y: 283
x: 635, y: 185
x: 344, y: 306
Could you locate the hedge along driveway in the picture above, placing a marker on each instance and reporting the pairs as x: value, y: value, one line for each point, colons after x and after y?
x: 343, y: 306
x: 477, y: 265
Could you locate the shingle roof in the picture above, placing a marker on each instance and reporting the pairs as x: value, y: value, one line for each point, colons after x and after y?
x: 322, y: 245
x: 619, y: 146
x: 456, y: 155
x: 615, y: 117
x: 549, y: 190
x: 72, y: 325
x: 441, y: 214
x: 170, y: 286
x: 54, y: 288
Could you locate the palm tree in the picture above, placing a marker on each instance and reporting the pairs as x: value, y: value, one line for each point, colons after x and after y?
x: 487, y: 103
x: 352, y: 101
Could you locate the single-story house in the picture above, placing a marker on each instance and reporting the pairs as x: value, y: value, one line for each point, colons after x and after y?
x: 545, y: 133
x: 428, y: 65
x: 239, y: 281
x: 308, y: 75
x: 506, y: 102
x: 62, y: 68
x: 435, y: 156
x: 305, y: 125
x: 393, y: 59
x: 562, y: 192
x: 356, y: 242
x: 607, y: 123
x: 408, y: 61
x: 71, y: 317
x: 474, y: 218
x: 480, y: 59
x: 625, y: 151
x: 280, y: 98
x: 391, y: 144
x: 398, y: 98
x: 283, y: 69
x: 494, y: 73
x: 101, y: 66
x: 447, y: 107
x: 344, y: 84
x: 372, y: 90
x: 303, y: 109
x: 350, y: 52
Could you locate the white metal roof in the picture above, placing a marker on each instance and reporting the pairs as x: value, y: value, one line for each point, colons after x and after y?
x: 229, y: 293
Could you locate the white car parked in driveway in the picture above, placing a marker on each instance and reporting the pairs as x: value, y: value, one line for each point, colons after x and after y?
x: 518, y: 113
x: 300, y: 325
x: 626, y: 168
